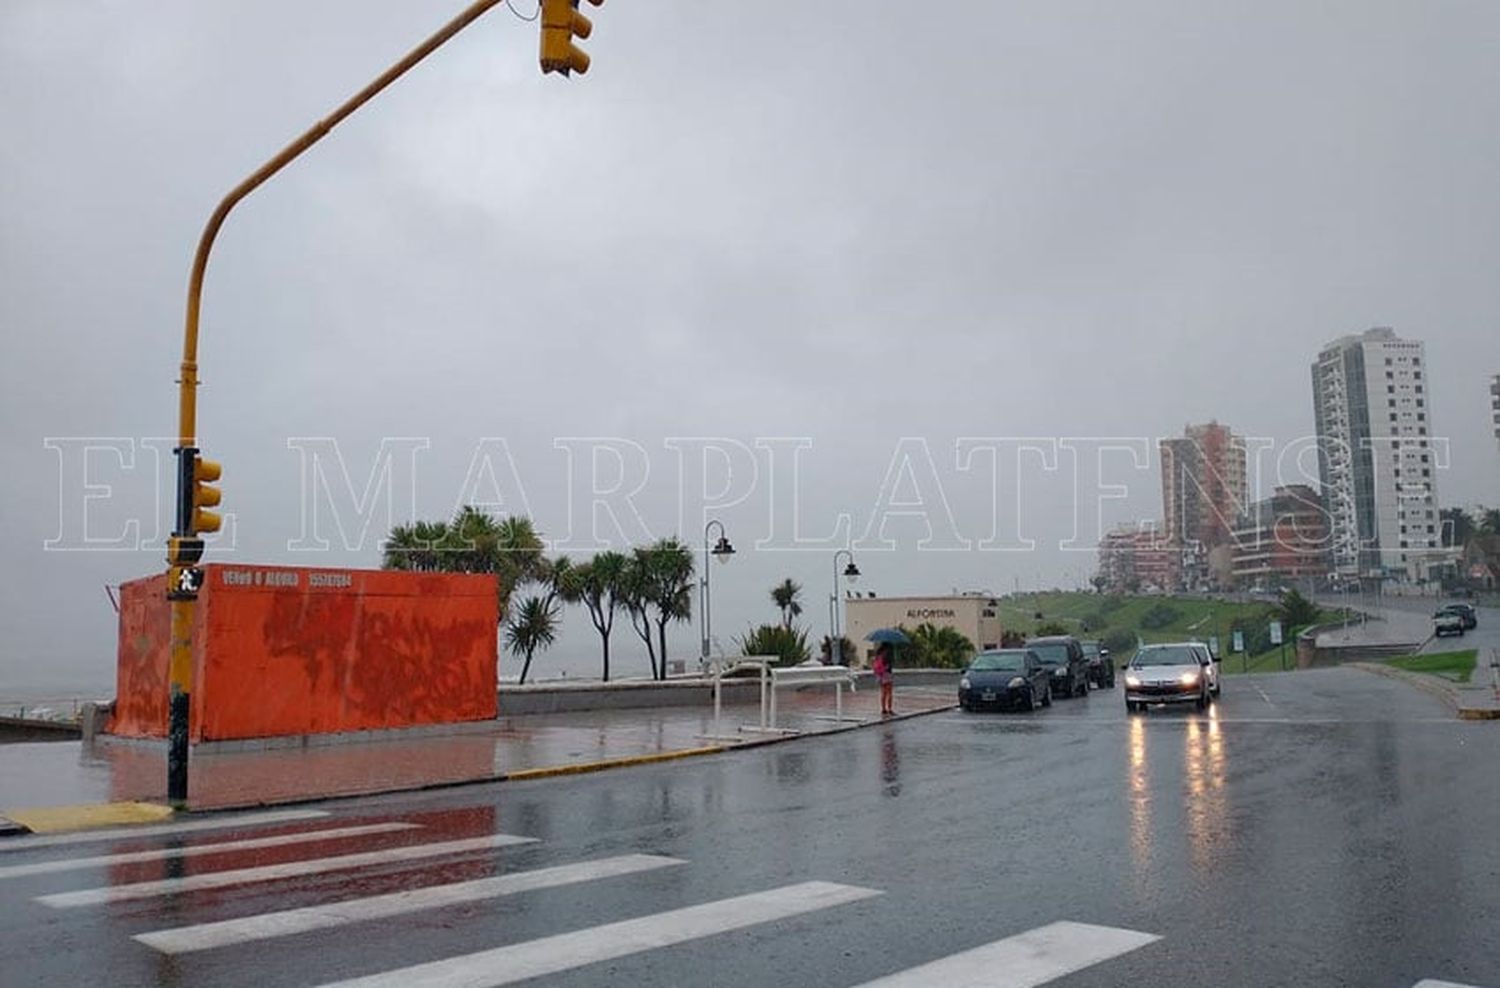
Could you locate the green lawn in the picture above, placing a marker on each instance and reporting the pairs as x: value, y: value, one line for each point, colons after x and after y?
x: 1153, y: 619
x: 1456, y: 666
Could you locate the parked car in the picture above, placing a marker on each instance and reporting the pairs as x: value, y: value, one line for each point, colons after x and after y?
x: 1447, y: 622
x: 1465, y: 612
x: 1012, y: 678
x: 1169, y: 674
x: 1063, y: 655
x: 1101, y: 666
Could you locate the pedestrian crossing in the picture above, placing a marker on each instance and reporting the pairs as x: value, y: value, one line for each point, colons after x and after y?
x: 1015, y: 959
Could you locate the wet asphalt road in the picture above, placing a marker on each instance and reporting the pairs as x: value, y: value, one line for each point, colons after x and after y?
x: 1317, y: 828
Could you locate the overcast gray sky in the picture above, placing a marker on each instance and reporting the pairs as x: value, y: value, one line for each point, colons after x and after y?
x: 854, y: 222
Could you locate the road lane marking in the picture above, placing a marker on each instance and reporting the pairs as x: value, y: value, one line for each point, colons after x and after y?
x: 1031, y: 958
x: 192, y: 826
x: 1263, y: 695
x: 206, y: 936
x: 566, y: 951
x: 1430, y: 983
x: 222, y: 847
x: 267, y: 873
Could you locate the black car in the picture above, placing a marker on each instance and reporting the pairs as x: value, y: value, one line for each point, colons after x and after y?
x: 1465, y: 612
x: 1063, y: 655
x: 1011, y: 678
x: 1101, y: 666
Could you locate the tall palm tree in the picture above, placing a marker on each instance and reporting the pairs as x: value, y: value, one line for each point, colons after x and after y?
x: 598, y: 585
x: 787, y: 595
x: 637, y: 594
x: 532, y: 627
x: 671, y: 572
x: 415, y: 547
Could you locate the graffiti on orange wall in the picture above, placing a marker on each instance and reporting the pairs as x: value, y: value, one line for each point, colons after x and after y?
x: 285, y: 651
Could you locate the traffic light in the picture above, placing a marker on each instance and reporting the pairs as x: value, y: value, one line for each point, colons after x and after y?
x: 561, y: 23
x: 196, y: 493
x: 206, y: 495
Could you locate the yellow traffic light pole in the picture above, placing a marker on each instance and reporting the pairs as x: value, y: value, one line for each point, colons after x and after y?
x: 185, y: 547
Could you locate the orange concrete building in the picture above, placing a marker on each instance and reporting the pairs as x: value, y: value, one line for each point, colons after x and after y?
x: 284, y: 651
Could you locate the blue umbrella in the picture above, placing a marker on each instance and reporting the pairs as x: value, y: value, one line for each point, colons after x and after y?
x: 888, y: 635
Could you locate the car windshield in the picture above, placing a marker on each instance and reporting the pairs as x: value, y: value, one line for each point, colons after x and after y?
x: 1165, y: 655
x: 1090, y: 650
x: 1054, y: 654
x: 999, y: 662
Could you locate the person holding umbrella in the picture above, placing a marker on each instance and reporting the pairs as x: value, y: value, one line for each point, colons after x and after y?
x: 884, y: 666
x: 885, y: 677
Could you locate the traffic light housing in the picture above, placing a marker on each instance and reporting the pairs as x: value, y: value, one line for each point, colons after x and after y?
x: 196, y: 494
x: 206, y: 495
x: 561, y: 24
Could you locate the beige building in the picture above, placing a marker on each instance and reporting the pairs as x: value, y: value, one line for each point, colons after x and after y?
x: 976, y: 617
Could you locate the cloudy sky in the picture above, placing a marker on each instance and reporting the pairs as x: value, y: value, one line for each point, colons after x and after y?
x: 871, y: 229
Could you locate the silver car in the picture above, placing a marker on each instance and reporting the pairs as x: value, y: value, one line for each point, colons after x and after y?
x: 1179, y: 673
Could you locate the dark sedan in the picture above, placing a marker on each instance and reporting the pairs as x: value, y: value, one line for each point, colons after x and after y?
x: 1012, y: 678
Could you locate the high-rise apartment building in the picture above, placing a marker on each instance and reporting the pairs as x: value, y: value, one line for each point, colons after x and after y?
x: 1203, y: 485
x: 1371, y: 406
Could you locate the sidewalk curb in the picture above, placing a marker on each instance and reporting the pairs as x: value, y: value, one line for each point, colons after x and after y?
x: 1430, y: 685
x: 520, y: 775
x: 582, y: 768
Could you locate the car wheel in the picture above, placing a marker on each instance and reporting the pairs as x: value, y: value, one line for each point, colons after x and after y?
x: 1132, y: 708
x: 1047, y: 696
x: 1083, y: 688
x: 1202, y: 703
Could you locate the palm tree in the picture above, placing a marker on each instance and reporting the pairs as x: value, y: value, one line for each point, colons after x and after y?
x: 671, y: 572
x: 1489, y: 521
x: 533, y: 626
x: 787, y: 596
x: 414, y: 547
x: 597, y: 584
x: 473, y: 542
x: 636, y: 596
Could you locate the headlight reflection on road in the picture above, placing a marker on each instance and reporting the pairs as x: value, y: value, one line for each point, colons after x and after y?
x: 1140, y: 800
x: 1206, y: 817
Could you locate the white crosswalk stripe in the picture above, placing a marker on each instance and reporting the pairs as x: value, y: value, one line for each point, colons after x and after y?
x: 159, y: 829
x: 197, y: 850
x: 265, y: 926
x: 565, y: 951
x: 267, y: 873
x: 1023, y: 961
x: 1430, y: 983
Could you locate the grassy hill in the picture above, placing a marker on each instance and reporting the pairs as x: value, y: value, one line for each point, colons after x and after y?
x: 1121, y: 620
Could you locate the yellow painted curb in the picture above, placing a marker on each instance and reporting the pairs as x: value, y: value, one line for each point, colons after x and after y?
x: 58, y: 819
x: 580, y: 768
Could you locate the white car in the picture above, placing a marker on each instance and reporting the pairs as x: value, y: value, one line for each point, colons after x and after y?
x: 1211, y: 669
x: 1182, y: 672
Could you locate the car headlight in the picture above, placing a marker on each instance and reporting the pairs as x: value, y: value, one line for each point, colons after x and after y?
x: 1018, y: 682
x: 963, y: 683
x: 1060, y: 671
x: 1131, y: 680
x: 1188, y: 678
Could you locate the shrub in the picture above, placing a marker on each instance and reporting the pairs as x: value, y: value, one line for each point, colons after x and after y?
x: 1160, y: 616
x: 789, y: 645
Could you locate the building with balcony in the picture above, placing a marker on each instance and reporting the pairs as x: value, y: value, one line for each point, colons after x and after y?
x: 1372, y: 410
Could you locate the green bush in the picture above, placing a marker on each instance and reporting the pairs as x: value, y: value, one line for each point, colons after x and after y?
x: 789, y: 645
x: 1160, y: 616
x: 1119, y: 641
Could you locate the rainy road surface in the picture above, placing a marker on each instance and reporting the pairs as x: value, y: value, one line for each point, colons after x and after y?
x: 1318, y: 828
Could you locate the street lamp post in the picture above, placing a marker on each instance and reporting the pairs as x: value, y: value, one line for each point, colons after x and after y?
x: 835, y: 638
x: 721, y: 551
x: 185, y: 549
